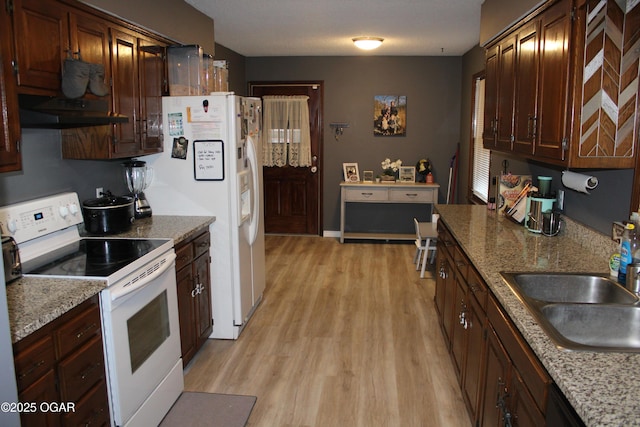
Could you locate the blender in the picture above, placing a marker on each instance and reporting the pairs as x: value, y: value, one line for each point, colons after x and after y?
x: 138, y: 177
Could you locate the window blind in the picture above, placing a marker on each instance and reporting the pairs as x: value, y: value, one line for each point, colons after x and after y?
x: 481, y: 156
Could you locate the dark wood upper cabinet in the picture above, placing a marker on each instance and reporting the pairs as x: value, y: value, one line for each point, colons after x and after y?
x: 490, y: 97
x: 553, y: 106
x: 41, y: 38
x: 506, y: 89
x: 10, y: 158
x: 556, y: 118
x: 525, y: 118
x: 37, y: 38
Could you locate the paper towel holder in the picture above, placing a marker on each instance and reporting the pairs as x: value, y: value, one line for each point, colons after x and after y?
x: 579, y: 182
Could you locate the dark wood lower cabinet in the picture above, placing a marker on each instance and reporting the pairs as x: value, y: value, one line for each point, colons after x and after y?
x: 63, y: 363
x: 502, y: 381
x: 495, y: 390
x: 194, y: 294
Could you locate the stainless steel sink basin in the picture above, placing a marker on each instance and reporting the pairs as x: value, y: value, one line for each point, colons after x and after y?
x: 595, y: 326
x: 580, y: 311
x: 563, y: 287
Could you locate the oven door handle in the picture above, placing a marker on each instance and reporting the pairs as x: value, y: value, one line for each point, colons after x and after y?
x: 118, y: 292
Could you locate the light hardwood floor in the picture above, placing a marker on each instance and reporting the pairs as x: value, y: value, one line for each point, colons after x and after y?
x: 346, y: 335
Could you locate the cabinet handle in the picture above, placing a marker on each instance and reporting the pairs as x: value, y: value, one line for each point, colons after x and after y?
x: 91, y: 327
x: 411, y: 194
x: 90, y: 369
x: 534, y: 127
x: 32, y: 369
x: 366, y: 194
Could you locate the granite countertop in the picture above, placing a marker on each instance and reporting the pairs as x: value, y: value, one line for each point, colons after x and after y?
x: 178, y: 228
x: 34, y: 301
x: 604, y: 388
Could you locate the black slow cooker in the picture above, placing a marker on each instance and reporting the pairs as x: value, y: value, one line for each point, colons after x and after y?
x: 108, y: 214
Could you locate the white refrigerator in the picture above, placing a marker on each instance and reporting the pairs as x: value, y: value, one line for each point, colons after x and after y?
x: 211, y: 165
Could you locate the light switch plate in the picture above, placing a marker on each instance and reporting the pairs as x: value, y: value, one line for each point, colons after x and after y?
x: 617, y: 230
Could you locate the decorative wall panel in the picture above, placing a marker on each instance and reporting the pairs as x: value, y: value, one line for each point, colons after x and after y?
x: 609, y: 124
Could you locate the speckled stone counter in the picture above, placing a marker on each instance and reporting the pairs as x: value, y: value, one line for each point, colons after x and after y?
x: 178, y: 228
x: 33, y: 301
x: 604, y: 388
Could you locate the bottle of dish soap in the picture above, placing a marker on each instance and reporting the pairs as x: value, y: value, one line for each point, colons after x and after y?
x: 628, y: 246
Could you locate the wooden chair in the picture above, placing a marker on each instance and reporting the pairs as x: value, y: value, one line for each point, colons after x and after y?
x: 426, y: 237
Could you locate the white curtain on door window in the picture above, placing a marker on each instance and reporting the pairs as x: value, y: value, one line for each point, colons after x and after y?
x: 286, y: 134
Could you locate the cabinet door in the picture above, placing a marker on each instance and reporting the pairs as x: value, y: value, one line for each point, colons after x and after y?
x: 43, y: 390
x: 475, y: 356
x: 490, y: 97
x: 186, y: 309
x: 151, y: 64
x: 90, y: 40
x: 495, y: 391
x: 553, y: 92
x: 201, y: 267
x: 525, y: 412
x: 459, y: 326
x: 448, y: 313
x: 124, y: 69
x: 441, y: 266
x: 506, y: 88
x: 10, y: 158
x: 41, y: 37
x: 526, y: 89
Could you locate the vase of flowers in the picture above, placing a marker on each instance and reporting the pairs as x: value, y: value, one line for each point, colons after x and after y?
x: 390, y: 169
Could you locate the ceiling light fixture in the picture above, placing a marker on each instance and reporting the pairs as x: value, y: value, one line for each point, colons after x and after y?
x: 367, y: 43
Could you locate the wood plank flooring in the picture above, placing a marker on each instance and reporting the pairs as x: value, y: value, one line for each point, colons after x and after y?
x: 346, y: 335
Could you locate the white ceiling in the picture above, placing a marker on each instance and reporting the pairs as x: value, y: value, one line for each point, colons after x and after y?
x: 326, y: 27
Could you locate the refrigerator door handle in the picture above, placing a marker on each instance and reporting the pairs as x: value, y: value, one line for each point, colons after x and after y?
x: 255, y: 209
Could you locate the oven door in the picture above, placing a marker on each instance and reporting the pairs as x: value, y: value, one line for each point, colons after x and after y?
x: 142, y: 340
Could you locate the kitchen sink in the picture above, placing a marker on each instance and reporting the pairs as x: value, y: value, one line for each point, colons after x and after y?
x: 601, y: 326
x: 567, y: 287
x: 580, y: 311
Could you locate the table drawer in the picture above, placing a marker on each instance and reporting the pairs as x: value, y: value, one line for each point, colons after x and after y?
x: 366, y: 194
x: 410, y: 195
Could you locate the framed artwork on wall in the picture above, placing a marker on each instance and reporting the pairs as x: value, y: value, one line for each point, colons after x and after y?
x: 351, y: 173
x: 389, y: 115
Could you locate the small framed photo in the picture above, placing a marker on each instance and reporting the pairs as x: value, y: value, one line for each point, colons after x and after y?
x: 407, y: 174
x: 367, y: 176
x: 351, y: 173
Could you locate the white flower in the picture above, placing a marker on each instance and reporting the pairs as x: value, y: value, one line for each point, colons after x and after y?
x: 390, y: 167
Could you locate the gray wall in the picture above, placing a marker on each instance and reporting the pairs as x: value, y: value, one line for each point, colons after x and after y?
x: 432, y: 87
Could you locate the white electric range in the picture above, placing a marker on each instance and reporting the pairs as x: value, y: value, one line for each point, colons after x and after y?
x: 139, y: 306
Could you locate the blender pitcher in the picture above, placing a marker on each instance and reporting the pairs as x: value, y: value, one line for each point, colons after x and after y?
x: 138, y: 176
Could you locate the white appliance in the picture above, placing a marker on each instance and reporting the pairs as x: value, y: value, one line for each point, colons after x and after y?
x: 211, y: 165
x: 139, y: 308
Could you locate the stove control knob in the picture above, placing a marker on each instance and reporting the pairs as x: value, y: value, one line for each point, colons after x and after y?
x: 12, y: 226
x: 73, y: 208
x: 64, y: 211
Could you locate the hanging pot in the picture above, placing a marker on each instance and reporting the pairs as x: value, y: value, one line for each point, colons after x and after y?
x: 108, y: 215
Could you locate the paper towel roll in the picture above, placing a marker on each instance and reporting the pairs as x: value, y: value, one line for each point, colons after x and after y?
x: 579, y: 182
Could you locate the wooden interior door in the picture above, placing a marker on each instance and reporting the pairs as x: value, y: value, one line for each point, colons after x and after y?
x: 293, y: 195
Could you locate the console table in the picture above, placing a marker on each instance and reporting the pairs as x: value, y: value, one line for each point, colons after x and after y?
x: 384, y: 192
